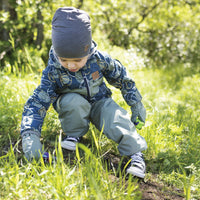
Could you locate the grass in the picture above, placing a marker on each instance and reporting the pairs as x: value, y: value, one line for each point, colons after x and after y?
x: 85, y: 179
x: 172, y: 132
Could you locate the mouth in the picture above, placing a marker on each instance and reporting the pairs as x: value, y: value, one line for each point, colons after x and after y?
x: 73, y: 70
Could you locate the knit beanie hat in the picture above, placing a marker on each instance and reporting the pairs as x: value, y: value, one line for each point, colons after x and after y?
x: 71, y: 33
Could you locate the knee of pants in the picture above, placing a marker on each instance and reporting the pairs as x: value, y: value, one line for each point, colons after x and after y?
x: 73, y: 112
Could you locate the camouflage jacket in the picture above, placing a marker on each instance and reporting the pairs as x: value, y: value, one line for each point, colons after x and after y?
x: 57, y: 80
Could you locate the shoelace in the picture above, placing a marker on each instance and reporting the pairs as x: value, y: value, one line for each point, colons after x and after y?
x: 69, y: 138
x: 137, y: 157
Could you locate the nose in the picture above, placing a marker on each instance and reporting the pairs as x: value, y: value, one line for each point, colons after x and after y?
x: 71, y: 65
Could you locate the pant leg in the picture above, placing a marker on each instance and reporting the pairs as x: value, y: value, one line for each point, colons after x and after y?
x: 73, y: 112
x: 117, y: 126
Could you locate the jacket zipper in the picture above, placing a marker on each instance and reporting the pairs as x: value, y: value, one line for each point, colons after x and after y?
x: 87, y: 85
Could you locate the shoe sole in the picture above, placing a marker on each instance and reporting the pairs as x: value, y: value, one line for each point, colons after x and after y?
x: 68, y: 145
x: 134, y: 172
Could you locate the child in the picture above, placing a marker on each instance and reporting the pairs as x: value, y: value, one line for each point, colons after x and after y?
x: 73, y: 83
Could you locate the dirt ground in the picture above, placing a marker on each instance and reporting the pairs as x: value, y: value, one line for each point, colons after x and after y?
x: 150, y: 189
x: 155, y: 191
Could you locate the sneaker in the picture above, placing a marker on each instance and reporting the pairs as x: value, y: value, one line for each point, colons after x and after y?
x: 137, y: 167
x: 69, y: 143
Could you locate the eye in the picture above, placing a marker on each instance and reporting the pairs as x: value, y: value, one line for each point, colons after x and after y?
x: 61, y: 60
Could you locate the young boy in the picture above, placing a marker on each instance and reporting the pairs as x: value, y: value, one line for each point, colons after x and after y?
x: 73, y: 83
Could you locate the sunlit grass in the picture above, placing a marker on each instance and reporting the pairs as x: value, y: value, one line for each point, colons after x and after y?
x: 172, y: 132
x: 87, y: 179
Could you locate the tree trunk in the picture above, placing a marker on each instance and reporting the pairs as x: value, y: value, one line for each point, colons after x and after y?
x: 7, y: 6
x: 4, y: 35
x: 40, y: 29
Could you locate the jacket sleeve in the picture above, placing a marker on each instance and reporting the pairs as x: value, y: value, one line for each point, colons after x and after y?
x: 116, y: 75
x: 37, y: 105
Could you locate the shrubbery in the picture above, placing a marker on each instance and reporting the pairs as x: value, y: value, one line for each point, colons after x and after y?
x: 164, y: 31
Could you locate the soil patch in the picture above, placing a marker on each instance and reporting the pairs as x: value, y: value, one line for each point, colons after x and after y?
x: 150, y: 190
x: 155, y: 191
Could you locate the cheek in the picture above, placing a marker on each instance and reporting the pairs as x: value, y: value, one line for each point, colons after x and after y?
x: 83, y: 63
x: 80, y: 65
x: 64, y: 65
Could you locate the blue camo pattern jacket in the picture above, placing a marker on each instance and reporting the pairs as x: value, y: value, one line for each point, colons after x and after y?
x: 57, y: 80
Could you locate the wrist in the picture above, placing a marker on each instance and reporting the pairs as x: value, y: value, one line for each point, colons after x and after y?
x: 29, y: 133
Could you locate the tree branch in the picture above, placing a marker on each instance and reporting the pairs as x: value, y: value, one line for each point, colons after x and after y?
x: 144, y: 15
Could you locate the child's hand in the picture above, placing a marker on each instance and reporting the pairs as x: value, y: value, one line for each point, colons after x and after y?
x: 138, y: 124
x: 31, y: 146
x: 138, y: 115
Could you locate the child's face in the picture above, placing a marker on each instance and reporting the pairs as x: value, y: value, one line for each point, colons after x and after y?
x: 73, y: 64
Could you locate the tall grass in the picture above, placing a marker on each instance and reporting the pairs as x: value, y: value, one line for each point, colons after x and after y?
x: 86, y: 179
x: 172, y: 130
x: 173, y: 126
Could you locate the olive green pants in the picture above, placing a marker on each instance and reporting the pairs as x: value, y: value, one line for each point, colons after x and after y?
x: 75, y: 114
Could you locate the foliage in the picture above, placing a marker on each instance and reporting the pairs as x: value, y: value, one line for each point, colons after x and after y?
x: 164, y: 31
